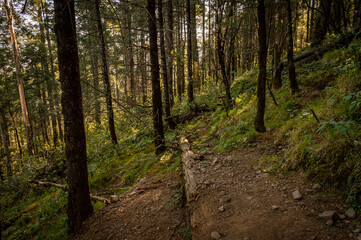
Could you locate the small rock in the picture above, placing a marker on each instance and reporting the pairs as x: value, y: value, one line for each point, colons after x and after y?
x: 207, y: 182
x: 328, y: 215
x: 221, y: 209
x: 357, y: 230
x: 297, y: 195
x: 258, y: 172
x: 114, y: 198
x: 329, y: 222
x: 215, y: 235
x: 229, y: 158
x: 359, y: 237
x: 215, y: 161
x: 350, y: 235
x: 222, y: 193
x: 350, y: 213
x: 274, y: 207
x: 284, y: 195
x: 342, y: 216
x: 316, y: 186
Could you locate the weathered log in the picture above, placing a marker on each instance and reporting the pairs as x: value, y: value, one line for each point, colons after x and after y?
x: 190, y: 182
x: 65, y: 188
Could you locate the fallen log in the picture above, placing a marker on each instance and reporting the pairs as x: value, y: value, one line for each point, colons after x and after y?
x: 65, y: 188
x: 188, y: 157
x: 194, y: 112
x: 317, y: 53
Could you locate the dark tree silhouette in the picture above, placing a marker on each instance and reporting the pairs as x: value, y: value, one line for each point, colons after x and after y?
x: 156, y: 95
x: 108, y: 94
x: 79, y: 205
x: 261, y: 87
x: 291, y: 62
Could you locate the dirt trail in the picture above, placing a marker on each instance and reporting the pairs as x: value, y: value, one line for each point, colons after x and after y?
x: 236, y: 199
x: 144, y: 212
x: 239, y: 200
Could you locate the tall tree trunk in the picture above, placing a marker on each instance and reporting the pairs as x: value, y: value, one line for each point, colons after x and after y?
x: 143, y: 65
x: 95, y: 73
x: 16, y: 133
x: 180, y: 59
x: 203, y: 41
x: 79, y: 205
x: 261, y: 86
x: 156, y: 92
x: 191, y: 77
x: 129, y: 59
x: 193, y: 29
x: 277, y: 79
x: 291, y: 62
x: 169, y: 47
x: 357, y: 14
x: 57, y: 113
x: 49, y: 84
x: 105, y: 68
x: 322, y: 21
x: 165, y: 76
x: 5, y: 138
x: 19, y: 76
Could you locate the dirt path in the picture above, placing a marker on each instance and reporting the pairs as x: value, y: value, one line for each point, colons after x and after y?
x: 144, y: 212
x: 239, y: 200
x: 236, y: 199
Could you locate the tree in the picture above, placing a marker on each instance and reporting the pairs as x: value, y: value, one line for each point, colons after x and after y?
x: 291, y: 63
x: 189, y: 54
x: 165, y: 69
x: 4, y: 133
x: 47, y: 76
x: 262, y: 56
x: 156, y: 92
x: 106, y: 81
x: 169, y: 47
x: 79, y: 205
x: 19, y: 76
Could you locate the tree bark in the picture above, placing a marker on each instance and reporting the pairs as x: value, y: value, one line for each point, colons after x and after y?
x: 55, y: 95
x: 4, y: 132
x: 180, y: 59
x: 190, y: 53
x: 106, y: 81
x: 143, y: 67
x: 19, y: 76
x: 261, y: 86
x: 129, y: 59
x: 165, y: 69
x: 169, y: 48
x: 156, y: 92
x: 49, y: 83
x: 95, y: 73
x: 79, y: 205
x: 193, y: 29
x: 291, y: 62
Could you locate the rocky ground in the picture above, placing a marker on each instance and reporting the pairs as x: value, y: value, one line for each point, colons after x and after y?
x: 236, y: 199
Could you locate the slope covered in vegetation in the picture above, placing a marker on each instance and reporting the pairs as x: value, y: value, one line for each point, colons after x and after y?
x: 318, y: 128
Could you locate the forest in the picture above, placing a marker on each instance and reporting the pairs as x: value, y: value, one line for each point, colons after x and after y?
x: 180, y: 119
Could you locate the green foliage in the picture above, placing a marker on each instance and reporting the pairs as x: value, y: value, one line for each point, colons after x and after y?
x: 341, y: 127
x: 186, y: 232
x: 178, y: 198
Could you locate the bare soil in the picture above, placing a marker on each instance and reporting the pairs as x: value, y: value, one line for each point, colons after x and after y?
x: 236, y: 198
